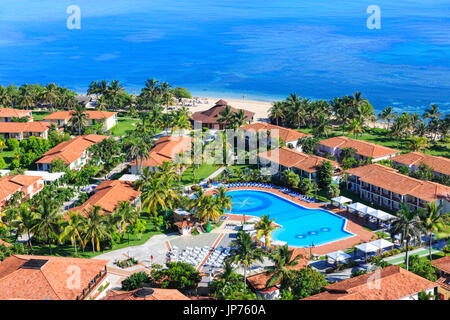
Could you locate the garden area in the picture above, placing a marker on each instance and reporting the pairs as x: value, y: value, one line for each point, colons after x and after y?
x: 123, y: 126
x: 202, y: 172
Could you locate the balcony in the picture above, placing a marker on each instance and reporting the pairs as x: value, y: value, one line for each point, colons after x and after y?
x: 98, y: 278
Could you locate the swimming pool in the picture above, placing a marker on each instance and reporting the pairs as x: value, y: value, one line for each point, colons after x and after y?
x: 300, y: 226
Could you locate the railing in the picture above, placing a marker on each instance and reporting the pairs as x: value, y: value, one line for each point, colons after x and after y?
x: 98, y: 278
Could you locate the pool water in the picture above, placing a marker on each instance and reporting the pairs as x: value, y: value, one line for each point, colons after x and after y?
x: 300, y: 226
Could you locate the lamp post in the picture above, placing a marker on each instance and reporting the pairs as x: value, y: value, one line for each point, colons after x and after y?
x: 310, y: 248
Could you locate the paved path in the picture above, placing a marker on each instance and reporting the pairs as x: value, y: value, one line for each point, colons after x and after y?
x: 421, y: 252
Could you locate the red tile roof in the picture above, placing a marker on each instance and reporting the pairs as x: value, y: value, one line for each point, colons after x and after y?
x: 285, y: 134
x: 71, y: 150
x: 108, y: 194
x: 19, y: 127
x: 291, y: 158
x: 363, y: 148
x: 166, y: 149
x: 390, y: 283
x: 438, y: 164
x: 11, y: 113
x: 158, y: 294
x: 389, y: 179
x: 212, y: 115
x: 50, y: 281
x: 442, y: 264
x: 4, y: 243
x: 91, y: 114
x: 12, y: 184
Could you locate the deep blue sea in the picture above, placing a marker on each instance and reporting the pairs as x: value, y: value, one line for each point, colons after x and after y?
x: 264, y: 49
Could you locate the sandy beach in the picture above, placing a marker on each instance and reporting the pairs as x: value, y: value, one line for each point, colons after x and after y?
x: 260, y: 108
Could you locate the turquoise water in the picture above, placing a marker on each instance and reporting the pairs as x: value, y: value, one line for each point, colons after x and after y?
x: 301, y: 227
x: 263, y: 49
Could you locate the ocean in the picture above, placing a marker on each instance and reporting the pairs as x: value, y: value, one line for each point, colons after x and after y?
x: 261, y: 49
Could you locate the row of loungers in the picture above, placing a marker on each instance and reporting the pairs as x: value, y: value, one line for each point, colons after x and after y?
x: 250, y: 184
x: 298, y: 195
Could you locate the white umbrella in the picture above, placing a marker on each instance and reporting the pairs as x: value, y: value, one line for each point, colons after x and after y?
x: 341, y: 200
x: 382, y: 243
x: 338, y: 255
x: 388, y: 217
x: 253, y: 220
x: 366, y: 247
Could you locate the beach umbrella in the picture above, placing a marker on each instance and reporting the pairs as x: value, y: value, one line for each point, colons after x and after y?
x: 341, y: 200
x: 253, y: 220
x: 382, y: 243
x: 356, y: 206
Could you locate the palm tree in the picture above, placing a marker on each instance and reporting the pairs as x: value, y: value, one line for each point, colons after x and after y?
x: 95, y: 227
x: 26, y: 222
x: 145, y: 177
x: 166, y: 94
x: 387, y: 115
x: 246, y: 253
x: 79, y: 118
x: 239, y: 119
x: 264, y: 228
x: 154, y: 196
x: 282, y: 269
x: 322, y: 127
x: 431, y: 220
x: 127, y: 215
x: 208, y: 209
x: 223, y: 199
x: 297, y: 112
x: 49, y: 219
x: 408, y: 225
x: 355, y: 127
x: 50, y: 94
x: 73, y: 230
x: 114, y: 90
x: 138, y: 149
x: 277, y: 111
x: 418, y: 144
x: 226, y: 117
x: 432, y: 113
x: 5, y: 97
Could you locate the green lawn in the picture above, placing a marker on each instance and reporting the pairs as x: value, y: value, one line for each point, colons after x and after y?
x: 68, y: 250
x: 124, y: 125
x: 201, y: 173
x: 39, y: 115
x: 8, y: 156
x: 380, y: 136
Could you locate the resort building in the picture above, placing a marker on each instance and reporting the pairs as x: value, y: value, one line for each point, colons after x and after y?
x: 73, y: 152
x: 388, y: 188
x: 364, y: 149
x: 10, y: 185
x: 443, y: 267
x: 413, y: 160
x: 108, y: 194
x: 210, y: 118
x: 258, y: 281
x: 7, y: 114
x: 146, y: 294
x: 166, y: 148
x: 289, y: 136
x: 61, y: 118
x: 305, y: 165
x: 28, y: 277
x: 390, y: 283
x: 24, y: 130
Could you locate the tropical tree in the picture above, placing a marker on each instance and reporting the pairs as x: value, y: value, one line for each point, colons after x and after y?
x: 387, y: 115
x: 277, y: 112
x: 154, y: 196
x: 26, y: 222
x: 246, y: 253
x: 73, y: 230
x: 264, y: 228
x: 95, y: 227
x: 408, y: 225
x: 48, y: 219
x: 79, y: 119
x: 223, y: 199
x: 126, y: 215
x: 432, y: 221
x: 284, y: 261
x: 114, y: 90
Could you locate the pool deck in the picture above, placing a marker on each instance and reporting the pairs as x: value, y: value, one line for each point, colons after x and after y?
x: 353, y: 223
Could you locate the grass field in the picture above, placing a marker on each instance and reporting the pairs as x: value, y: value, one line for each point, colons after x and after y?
x: 201, y: 173
x: 380, y: 136
x: 39, y: 115
x: 124, y: 125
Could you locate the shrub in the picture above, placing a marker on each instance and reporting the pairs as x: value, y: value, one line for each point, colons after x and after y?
x: 135, y: 281
x: 2, y: 163
x: 12, y: 144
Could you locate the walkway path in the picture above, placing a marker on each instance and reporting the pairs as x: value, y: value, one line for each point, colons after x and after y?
x: 421, y: 252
